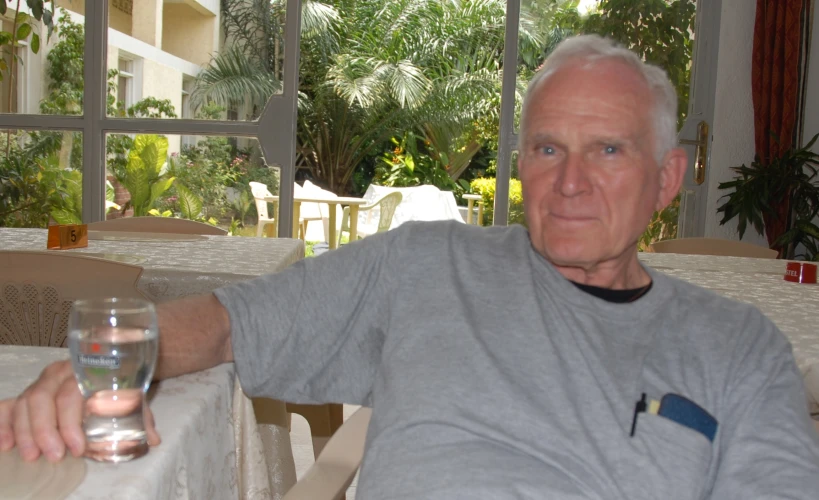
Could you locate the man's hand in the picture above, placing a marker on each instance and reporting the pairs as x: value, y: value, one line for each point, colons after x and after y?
x: 47, y: 417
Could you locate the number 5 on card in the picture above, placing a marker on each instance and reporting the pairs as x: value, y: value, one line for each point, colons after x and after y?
x: 66, y: 237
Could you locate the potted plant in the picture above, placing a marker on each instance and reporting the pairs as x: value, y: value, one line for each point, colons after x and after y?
x: 759, y: 188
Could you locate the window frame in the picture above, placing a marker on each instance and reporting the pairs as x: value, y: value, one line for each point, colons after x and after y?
x: 275, y: 129
x: 128, y: 75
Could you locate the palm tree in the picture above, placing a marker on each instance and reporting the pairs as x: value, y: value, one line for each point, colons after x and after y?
x: 430, y: 67
x: 371, y: 70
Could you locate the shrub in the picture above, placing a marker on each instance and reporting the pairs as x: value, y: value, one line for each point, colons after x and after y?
x: 485, y: 187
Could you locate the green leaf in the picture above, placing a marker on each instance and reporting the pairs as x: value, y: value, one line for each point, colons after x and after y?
x: 3, y: 7
x: 23, y: 31
x: 63, y: 216
x: 189, y: 203
x: 48, y: 20
x: 158, y: 189
x: 35, y: 43
x: 137, y: 182
x: 808, y: 228
x: 36, y: 7
x: 152, y: 151
x: 21, y: 17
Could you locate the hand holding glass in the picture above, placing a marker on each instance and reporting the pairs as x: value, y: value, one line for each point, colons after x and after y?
x: 113, y: 345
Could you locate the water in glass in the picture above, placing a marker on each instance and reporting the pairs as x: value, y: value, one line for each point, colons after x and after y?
x: 113, y: 350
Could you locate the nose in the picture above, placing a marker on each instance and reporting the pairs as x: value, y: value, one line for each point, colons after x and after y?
x: 573, y: 178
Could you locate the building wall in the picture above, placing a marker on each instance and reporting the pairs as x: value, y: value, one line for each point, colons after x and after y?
x: 812, y: 102
x: 733, y: 126
x: 734, y: 115
x: 163, y: 82
x: 188, y: 34
x: 117, y: 19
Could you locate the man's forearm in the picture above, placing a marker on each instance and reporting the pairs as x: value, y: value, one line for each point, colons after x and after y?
x: 194, y: 334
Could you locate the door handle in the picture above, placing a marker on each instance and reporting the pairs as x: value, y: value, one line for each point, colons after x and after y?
x: 702, y: 151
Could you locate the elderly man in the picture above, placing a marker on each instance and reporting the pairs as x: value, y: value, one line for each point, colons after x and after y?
x: 506, y: 363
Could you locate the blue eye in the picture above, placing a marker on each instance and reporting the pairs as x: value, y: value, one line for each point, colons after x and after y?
x: 610, y: 150
x: 547, y: 150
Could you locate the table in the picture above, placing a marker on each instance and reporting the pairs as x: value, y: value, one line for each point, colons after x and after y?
x: 332, y: 203
x: 197, y: 457
x: 793, y: 307
x: 471, y: 199
x: 176, y: 268
x: 193, y: 265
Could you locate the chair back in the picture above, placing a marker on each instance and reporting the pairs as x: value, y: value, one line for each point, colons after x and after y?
x: 387, y: 206
x: 259, y: 192
x: 38, y: 288
x: 713, y: 246
x: 156, y: 225
x: 335, y: 468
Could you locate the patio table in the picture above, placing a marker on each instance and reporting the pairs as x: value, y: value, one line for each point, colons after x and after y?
x: 332, y: 203
x: 181, y: 265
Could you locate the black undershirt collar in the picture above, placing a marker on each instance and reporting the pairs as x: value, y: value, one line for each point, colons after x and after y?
x: 614, y: 296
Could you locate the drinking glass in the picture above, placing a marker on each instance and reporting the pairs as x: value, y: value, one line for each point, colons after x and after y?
x: 113, y: 345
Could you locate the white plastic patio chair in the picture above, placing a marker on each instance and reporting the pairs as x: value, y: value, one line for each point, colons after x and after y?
x: 260, y: 192
x: 336, y: 466
x: 311, y: 190
x: 167, y: 225
x: 385, y: 209
x: 37, y: 290
x: 308, y: 211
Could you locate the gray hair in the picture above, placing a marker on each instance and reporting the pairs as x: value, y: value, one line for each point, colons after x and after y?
x: 593, y: 48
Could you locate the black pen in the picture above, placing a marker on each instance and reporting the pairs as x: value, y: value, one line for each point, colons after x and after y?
x: 640, y: 407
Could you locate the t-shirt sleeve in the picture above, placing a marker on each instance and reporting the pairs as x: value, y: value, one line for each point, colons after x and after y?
x: 313, y: 333
x: 769, y: 447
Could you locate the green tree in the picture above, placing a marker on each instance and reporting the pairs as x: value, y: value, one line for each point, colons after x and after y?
x: 370, y: 71
x: 143, y: 174
x: 658, y: 30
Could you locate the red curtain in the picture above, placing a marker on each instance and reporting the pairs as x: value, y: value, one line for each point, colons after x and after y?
x: 775, y: 78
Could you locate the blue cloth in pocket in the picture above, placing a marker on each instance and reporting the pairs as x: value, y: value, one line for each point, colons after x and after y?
x: 688, y: 413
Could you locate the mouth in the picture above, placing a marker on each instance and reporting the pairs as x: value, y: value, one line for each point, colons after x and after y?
x: 571, y: 219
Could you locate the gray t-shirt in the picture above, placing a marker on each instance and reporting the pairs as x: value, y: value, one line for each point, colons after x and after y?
x: 492, y: 376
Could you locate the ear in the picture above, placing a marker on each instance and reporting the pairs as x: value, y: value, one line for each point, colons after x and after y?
x: 672, y: 173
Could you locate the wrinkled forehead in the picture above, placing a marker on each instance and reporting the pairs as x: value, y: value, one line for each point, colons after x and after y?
x: 602, y: 91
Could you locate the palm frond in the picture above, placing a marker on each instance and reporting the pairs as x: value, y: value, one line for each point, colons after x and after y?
x: 232, y: 78
x: 317, y: 18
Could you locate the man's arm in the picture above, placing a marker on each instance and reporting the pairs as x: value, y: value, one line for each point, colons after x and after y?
x: 194, y: 334
x: 769, y: 446
x: 47, y: 417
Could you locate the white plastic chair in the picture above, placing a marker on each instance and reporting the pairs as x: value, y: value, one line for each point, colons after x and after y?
x: 167, y: 225
x: 311, y: 190
x: 385, y: 209
x: 37, y: 290
x: 336, y: 466
x: 260, y: 192
x: 309, y: 212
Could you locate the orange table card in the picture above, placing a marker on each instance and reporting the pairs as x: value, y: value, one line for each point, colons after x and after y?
x: 65, y: 237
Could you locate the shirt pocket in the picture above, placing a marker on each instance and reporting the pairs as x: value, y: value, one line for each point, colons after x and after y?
x: 671, y: 461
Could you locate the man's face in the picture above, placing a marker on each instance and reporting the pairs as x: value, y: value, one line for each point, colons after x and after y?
x: 588, y: 169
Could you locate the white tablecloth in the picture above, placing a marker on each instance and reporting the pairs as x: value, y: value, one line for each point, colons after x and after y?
x: 196, y: 459
x: 793, y: 307
x: 178, y: 268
